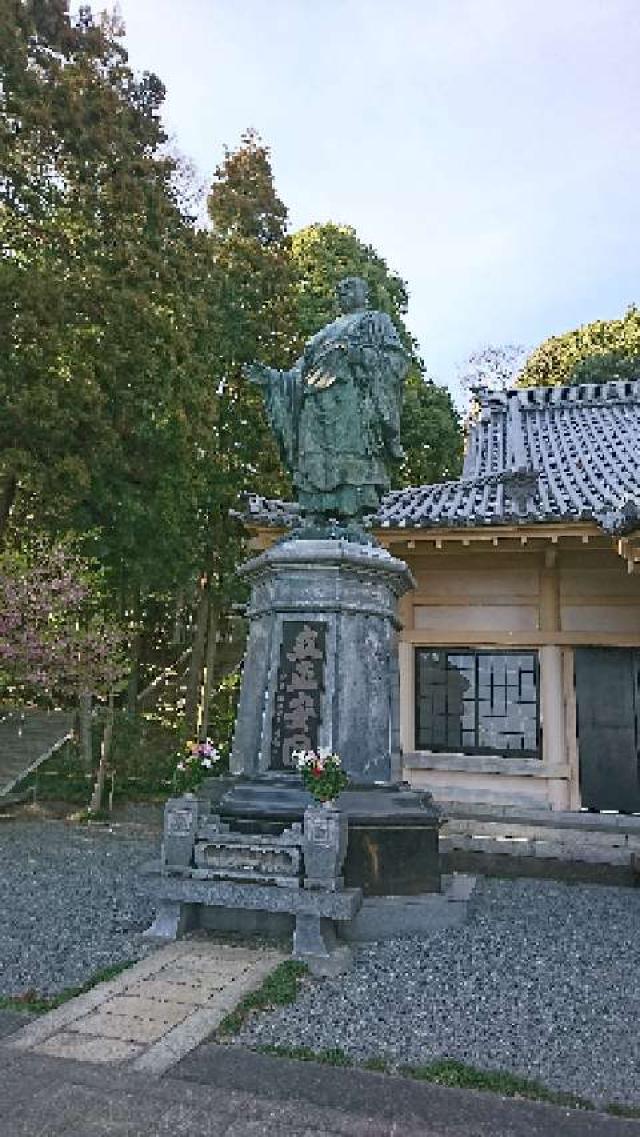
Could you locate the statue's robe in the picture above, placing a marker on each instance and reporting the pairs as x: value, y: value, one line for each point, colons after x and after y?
x: 336, y: 414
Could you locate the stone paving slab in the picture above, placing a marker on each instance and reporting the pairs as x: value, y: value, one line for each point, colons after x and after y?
x: 102, y: 1024
x: 161, y: 1009
x: 204, y: 973
x: 194, y: 994
x: 83, y: 1048
x: 155, y: 1012
x: 203, y: 1021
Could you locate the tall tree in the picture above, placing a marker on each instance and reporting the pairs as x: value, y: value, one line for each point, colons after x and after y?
x: 254, y: 311
x: 252, y: 315
x: 593, y: 353
x: 56, y: 641
x: 104, y: 352
x: 495, y: 366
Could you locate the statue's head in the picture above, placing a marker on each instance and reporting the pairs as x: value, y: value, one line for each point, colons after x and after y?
x: 352, y: 294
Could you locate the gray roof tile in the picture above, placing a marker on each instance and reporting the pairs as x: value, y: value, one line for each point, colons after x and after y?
x: 538, y: 454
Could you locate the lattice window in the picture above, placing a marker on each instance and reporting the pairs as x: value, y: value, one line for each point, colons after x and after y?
x: 478, y: 702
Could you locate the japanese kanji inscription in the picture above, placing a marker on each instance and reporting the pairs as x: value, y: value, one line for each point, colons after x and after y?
x: 300, y: 682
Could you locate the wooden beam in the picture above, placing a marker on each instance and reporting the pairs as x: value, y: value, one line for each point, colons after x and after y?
x: 466, y: 638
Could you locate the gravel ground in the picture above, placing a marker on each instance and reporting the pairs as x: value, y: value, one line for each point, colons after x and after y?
x: 543, y: 981
x: 70, y: 902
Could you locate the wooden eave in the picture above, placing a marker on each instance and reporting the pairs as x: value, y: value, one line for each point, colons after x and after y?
x: 505, y: 538
x: 629, y: 548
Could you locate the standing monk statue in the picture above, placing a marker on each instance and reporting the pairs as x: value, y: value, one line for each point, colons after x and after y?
x: 336, y: 413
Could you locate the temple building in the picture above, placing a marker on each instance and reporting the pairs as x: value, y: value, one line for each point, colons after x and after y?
x: 520, y: 644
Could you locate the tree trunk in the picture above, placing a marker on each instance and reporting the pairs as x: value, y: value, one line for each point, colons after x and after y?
x: 210, y: 664
x: 196, y: 665
x: 178, y: 620
x: 133, y: 682
x: 84, y: 717
x: 8, y: 491
x: 105, y: 751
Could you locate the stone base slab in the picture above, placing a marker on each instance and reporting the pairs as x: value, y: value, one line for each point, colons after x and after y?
x: 393, y: 829
x: 391, y: 917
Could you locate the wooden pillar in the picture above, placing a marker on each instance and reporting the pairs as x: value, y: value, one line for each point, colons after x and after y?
x: 551, y: 682
x: 407, y: 678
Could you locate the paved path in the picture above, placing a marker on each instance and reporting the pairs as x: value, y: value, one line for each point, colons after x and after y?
x: 124, y: 1060
x: 153, y: 1013
x: 56, y: 1097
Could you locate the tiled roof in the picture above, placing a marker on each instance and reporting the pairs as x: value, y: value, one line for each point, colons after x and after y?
x: 540, y: 454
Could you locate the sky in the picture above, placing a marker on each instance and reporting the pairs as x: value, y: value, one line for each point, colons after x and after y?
x: 488, y: 149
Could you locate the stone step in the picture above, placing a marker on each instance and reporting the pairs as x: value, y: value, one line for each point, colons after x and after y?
x: 27, y: 738
x: 579, y: 837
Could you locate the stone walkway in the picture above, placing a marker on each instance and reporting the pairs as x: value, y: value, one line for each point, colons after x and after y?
x: 121, y: 1061
x: 155, y: 1012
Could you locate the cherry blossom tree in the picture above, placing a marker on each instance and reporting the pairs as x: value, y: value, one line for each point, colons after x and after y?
x: 56, y: 644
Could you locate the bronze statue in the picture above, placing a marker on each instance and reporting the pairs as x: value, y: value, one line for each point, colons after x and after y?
x: 336, y: 413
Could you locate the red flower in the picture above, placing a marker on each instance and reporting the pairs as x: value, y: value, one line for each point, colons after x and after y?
x: 316, y: 771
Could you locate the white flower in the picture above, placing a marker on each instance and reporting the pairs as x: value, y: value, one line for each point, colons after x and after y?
x: 207, y: 763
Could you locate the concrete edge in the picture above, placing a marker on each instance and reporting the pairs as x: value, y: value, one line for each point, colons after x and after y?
x: 187, y: 1035
x: 459, y: 886
x: 53, y: 1021
x: 578, y: 820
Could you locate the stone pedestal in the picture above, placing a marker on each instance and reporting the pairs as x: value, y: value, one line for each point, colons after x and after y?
x: 320, y: 673
x: 392, y: 829
x: 325, y: 847
x: 321, y: 668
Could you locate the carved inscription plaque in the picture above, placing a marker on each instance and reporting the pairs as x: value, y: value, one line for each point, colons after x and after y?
x: 179, y: 822
x: 296, y: 714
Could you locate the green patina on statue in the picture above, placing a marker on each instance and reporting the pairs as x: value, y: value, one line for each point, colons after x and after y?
x: 336, y: 413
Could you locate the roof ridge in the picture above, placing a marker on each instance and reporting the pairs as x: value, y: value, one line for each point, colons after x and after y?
x: 617, y: 390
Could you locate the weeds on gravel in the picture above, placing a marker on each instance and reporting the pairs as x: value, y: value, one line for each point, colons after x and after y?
x: 333, y: 1057
x: 88, y: 815
x: 448, y: 1072
x: 279, y: 988
x: 620, y: 1110
x: 378, y: 1065
x: 40, y: 1004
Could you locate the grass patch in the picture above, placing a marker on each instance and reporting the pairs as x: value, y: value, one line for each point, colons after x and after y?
x: 377, y: 1065
x: 39, y: 1004
x: 279, y: 988
x: 448, y: 1072
x: 333, y: 1057
x: 88, y: 815
x: 620, y: 1110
